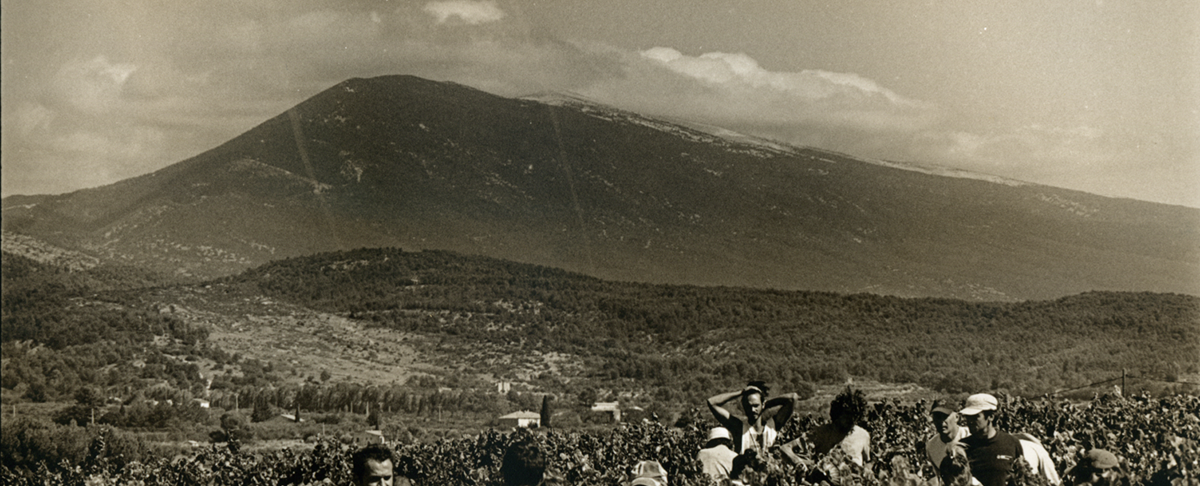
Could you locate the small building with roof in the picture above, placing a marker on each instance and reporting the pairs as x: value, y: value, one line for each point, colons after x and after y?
x: 522, y: 419
x: 610, y: 411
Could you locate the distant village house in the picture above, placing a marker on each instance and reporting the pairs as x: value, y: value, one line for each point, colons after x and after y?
x: 522, y: 419
x: 606, y: 411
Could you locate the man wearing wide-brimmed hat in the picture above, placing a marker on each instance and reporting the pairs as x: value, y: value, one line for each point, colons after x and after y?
x: 1098, y: 467
x: 649, y: 473
x: 991, y: 452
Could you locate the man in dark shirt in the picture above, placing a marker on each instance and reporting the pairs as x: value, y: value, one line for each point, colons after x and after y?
x: 991, y: 452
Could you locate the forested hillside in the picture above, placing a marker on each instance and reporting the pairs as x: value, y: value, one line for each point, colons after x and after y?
x: 568, y: 334
x: 126, y: 349
x: 684, y: 342
x: 66, y: 336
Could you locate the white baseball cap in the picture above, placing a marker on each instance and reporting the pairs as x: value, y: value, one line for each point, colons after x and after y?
x: 977, y: 403
x: 719, y: 433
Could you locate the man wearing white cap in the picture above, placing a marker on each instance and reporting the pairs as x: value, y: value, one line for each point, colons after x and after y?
x: 716, y: 458
x: 649, y: 473
x: 991, y: 452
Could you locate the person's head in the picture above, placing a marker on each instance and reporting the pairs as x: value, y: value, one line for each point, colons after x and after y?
x: 955, y: 469
x: 979, y: 414
x: 649, y: 473
x: 372, y: 466
x: 524, y: 464
x: 847, y: 409
x: 945, y: 421
x: 753, y: 397
x: 1098, y: 467
x: 719, y: 436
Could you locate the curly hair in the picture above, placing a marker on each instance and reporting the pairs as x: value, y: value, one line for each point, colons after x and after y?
x: 376, y: 452
x: 849, y: 402
x: 524, y: 463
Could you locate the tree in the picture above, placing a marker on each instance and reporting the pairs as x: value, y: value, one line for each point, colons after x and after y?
x: 262, y: 411
x: 89, y: 399
x: 373, y: 418
x: 546, y: 412
x: 233, y: 429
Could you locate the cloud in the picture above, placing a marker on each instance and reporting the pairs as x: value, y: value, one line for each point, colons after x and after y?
x: 92, y: 86
x: 738, y: 70
x: 1028, y: 150
x: 840, y: 111
x: 471, y: 13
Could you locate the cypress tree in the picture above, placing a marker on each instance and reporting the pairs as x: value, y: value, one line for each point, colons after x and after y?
x: 546, y: 412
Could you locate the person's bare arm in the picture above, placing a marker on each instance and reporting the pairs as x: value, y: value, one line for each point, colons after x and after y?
x: 716, y: 405
x: 789, y: 450
x: 780, y: 408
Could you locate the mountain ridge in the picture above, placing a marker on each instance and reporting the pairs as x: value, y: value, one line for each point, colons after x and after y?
x: 402, y: 161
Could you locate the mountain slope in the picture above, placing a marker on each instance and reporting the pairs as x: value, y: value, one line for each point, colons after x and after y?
x: 402, y: 161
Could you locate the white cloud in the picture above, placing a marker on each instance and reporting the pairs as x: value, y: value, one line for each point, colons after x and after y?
x: 471, y: 13
x: 840, y: 111
x: 738, y: 70
x: 92, y: 86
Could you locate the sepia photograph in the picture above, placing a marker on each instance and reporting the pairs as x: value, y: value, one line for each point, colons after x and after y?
x: 616, y: 242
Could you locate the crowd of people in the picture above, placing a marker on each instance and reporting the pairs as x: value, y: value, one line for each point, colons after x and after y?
x: 971, y: 445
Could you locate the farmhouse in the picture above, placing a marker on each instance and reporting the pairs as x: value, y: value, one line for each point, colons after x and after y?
x: 522, y: 419
x: 611, y: 411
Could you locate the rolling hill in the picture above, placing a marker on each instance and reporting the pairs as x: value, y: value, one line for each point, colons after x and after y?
x: 563, y: 182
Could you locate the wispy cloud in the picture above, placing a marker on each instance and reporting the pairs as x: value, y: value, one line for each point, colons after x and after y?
x: 92, y: 86
x: 471, y: 13
x: 843, y: 111
x: 738, y: 70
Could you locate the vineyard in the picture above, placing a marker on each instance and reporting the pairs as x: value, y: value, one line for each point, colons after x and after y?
x: 1157, y: 439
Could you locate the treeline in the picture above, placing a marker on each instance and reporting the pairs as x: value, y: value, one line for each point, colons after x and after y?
x: 688, y: 341
x: 167, y: 408
x: 364, y: 399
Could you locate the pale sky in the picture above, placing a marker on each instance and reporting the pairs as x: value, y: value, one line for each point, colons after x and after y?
x: 1096, y: 95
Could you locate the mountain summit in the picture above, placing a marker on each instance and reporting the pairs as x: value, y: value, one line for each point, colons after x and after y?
x: 565, y: 182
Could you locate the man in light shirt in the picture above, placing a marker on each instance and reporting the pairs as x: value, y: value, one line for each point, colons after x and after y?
x: 716, y: 458
x: 945, y: 423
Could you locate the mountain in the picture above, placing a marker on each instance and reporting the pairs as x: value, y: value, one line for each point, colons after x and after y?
x: 564, y: 182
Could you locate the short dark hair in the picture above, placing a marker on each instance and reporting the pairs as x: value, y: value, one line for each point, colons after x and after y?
x: 524, y: 464
x: 374, y: 452
x: 759, y: 385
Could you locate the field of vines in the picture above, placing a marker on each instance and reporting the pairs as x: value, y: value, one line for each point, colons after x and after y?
x: 1157, y: 440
